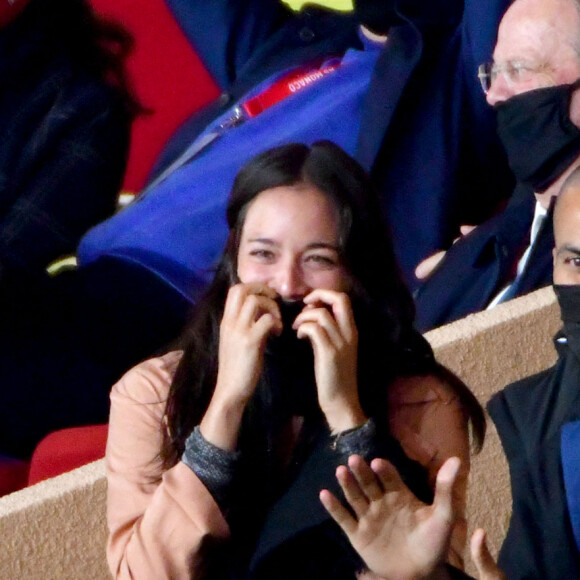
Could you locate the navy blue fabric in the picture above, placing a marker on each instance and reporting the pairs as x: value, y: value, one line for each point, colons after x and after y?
x: 415, y: 134
x: 571, y: 469
x: 479, y: 265
x: 529, y: 416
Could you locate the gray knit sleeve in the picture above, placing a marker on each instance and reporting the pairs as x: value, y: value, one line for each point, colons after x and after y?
x: 214, y: 466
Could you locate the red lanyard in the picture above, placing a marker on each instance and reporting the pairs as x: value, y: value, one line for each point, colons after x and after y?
x: 289, y: 84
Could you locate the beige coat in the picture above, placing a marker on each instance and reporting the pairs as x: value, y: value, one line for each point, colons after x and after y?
x: 158, y: 525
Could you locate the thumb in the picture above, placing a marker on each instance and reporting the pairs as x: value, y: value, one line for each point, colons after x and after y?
x: 443, y: 501
x: 487, y: 568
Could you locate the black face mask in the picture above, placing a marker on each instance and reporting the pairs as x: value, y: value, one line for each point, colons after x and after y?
x: 376, y: 15
x: 569, y: 300
x: 539, y: 138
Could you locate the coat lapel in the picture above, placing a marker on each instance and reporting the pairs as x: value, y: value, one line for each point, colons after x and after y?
x: 394, y: 66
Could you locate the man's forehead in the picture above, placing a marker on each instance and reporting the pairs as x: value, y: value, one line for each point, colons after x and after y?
x: 544, y: 30
x: 567, y: 210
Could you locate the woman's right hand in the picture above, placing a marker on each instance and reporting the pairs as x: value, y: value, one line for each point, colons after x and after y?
x: 251, y: 314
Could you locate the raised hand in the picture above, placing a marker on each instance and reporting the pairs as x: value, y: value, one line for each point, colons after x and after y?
x: 397, y: 536
x: 425, y: 268
x: 328, y: 322
x: 250, y: 315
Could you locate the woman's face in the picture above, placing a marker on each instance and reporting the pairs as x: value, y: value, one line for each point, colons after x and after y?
x: 290, y: 242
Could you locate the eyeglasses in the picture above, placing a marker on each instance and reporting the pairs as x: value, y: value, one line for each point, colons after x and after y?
x: 513, y: 73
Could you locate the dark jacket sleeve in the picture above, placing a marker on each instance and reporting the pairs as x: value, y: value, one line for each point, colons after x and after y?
x: 225, y: 33
x: 63, y: 159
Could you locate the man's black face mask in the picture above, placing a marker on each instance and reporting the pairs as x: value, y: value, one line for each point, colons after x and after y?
x: 539, y: 138
x: 376, y: 15
x: 569, y: 300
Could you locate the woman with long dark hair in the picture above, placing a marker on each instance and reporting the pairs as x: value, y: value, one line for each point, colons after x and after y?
x: 218, y: 450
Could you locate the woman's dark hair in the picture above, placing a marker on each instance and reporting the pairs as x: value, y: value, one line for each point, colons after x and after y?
x: 365, y: 248
x: 51, y: 29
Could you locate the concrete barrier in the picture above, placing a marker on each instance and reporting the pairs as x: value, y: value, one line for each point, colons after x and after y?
x: 56, y: 529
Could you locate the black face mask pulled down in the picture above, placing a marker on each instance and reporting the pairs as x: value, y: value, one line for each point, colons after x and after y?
x: 539, y: 138
x: 376, y: 15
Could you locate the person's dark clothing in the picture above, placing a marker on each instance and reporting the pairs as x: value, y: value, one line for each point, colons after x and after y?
x: 529, y: 416
x: 59, y: 358
x: 480, y: 264
x: 65, y: 137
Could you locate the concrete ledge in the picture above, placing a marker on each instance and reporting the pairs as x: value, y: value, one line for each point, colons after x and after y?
x: 56, y: 529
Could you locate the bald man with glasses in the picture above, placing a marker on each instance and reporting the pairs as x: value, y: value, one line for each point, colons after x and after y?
x: 532, y: 83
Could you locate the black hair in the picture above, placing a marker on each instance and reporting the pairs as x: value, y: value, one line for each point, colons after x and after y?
x: 366, y: 251
x: 48, y: 30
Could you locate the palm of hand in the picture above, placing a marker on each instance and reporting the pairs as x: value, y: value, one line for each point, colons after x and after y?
x: 398, y: 536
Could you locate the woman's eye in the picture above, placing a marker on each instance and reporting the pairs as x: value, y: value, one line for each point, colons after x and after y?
x: 322, y: 260
x: 262, y: 254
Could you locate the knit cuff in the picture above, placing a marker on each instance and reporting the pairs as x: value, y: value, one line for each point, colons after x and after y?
x: 357, y: 441
x: 214, y: 466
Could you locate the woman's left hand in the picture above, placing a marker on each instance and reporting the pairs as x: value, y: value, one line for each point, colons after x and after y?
x: 395, y: 534
x: 328, y: 322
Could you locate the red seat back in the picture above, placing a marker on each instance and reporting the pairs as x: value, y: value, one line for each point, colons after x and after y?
x: 167, y: 75
x: 67, y: 449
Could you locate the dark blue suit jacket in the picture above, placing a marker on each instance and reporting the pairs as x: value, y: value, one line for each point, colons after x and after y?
x: 477, y: 267
x: 426, y: 129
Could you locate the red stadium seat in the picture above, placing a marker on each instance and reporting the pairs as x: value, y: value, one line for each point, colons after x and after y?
x: 167, y: 75
x: 67, y: 449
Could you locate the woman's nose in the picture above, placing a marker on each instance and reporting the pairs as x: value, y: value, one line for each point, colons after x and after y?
x: 290, y: 283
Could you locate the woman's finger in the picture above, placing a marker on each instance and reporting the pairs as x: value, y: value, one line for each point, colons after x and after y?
x: 324, y: 319
x: 238, y: 293
x: 487, y: 568
x: 366, y: 478
x: 341, y: 307
x: 338, y: 512
x: 353, y: 493
x: 316, y: 334
x: 443, y: 501
x: 388, y: 475
x: 255, y: 306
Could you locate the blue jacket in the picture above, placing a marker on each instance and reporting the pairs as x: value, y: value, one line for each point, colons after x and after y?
x: 479, y: 265
x: 427, y: 134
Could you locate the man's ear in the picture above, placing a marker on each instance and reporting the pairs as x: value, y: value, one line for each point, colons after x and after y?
x: 575, y: 108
